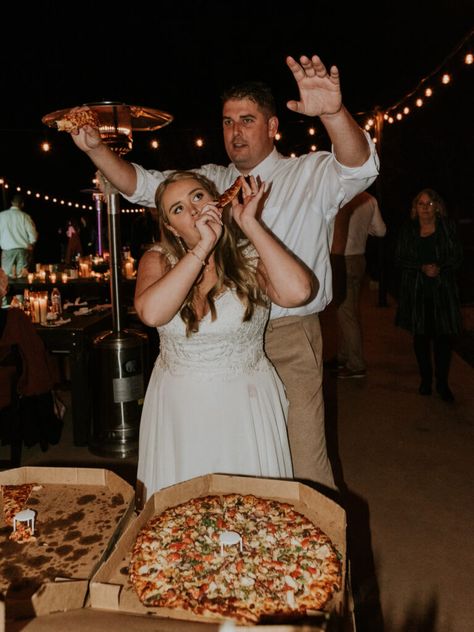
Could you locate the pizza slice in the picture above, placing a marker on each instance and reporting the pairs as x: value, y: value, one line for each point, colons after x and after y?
x: 75, y: 119
x: 14, y: 499
x: 229, y: 194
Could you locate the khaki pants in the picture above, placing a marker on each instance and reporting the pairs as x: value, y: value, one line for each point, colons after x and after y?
x: 348, y: 315
x: 294, y: 345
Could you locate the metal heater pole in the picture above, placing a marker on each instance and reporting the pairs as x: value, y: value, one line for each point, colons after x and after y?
x: 98, y: 207
x: 113, y: 211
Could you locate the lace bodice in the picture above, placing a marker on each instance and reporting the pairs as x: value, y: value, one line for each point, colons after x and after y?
x: 225, y: 347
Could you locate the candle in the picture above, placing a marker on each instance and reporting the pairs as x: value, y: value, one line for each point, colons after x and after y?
x: 43, y: 308
x: 31, y: 277
x: 52, y: 277
x: 42, y: 275
x: 64, y: 277
x: 84, y: 269
x: 35, y: 309
x: 129, y: 269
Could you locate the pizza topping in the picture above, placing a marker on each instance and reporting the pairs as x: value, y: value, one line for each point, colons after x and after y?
x: 176, y: 563
x: 22, y: 534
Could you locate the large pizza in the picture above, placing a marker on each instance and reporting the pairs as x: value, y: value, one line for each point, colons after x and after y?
x: 282, y: 564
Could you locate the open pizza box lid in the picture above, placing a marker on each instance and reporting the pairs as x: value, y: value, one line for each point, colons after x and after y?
x: 110, y: 588
x: 80, y: 514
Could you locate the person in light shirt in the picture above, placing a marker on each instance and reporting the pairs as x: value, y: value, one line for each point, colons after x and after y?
x: 304, y: 195
x: 354, y: 223
x: 17, y: 237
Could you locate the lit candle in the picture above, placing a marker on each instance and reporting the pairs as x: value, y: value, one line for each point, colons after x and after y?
x: 129, y: 269
x: 31, y: 277
x: 42, y: 275
x: 84, y: 269
x: 43, y: 308
x: 64, y: 277
x: 52, y: 277
x: 35, y: 310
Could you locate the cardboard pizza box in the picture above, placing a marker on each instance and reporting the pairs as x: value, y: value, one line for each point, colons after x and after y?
x: 111, y: 590
x: 80, y: 513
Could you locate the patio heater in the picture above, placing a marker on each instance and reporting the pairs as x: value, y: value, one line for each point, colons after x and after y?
x: 118, y: 355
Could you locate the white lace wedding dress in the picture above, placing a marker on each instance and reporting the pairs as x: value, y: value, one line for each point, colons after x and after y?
x: 214, y: 403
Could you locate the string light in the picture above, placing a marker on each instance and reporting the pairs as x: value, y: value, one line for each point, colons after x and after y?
x: 154, y: 144
x: 424, y: 89
x: 313, y: 147
x: 45, y: 146
x: 311, y: 131
x: 199, y: 142
x: 56, y: 200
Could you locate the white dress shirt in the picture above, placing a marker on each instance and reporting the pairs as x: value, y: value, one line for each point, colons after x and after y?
x: 17, y: 229
x: 304, y: 195
x: 365, y: 220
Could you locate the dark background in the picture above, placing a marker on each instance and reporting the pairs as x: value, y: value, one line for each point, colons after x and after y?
x: 180, y: 57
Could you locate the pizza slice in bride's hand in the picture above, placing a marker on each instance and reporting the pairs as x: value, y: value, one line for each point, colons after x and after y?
x: 229, y: 194
x: 75, y: 119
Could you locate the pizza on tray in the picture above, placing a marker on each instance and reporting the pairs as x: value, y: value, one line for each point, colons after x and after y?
x: 75, y: 119
x: 284, y: 566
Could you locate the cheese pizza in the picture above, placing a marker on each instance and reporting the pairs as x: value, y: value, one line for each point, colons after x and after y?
x: 284, y: 566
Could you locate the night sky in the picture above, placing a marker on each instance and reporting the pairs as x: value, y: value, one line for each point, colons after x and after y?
x: 180, y: 57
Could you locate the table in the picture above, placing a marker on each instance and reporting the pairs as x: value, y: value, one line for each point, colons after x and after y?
x: 75, y: 338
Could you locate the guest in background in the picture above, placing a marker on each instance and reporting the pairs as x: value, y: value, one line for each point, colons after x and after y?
x: 429, y: 252
x: 28, y: 404
x: 88, y: 235
x: 354, y: 223
x: 17, y: 237
x: 74, y: 245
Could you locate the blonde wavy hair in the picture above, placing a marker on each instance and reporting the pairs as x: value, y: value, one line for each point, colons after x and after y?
x: 438, y: 203
x: 234, y: 268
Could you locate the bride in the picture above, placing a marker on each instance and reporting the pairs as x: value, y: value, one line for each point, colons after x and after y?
x: 214, y: 402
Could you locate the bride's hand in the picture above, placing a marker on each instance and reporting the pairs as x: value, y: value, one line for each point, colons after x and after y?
x: 209, y: 225
x: 250, y: 207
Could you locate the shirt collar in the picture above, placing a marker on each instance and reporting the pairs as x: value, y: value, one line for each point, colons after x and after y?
x: 264, y: 169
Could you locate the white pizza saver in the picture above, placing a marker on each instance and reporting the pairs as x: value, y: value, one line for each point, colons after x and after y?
x: 230, y: 538
x: 28, y: 516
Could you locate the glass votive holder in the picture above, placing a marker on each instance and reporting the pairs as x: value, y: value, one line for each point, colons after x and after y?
x: 35, y: 307
x: 31, y: 277
x: 43, y: 306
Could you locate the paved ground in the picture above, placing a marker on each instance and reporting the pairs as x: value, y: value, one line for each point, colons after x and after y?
x: 404, y: 467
